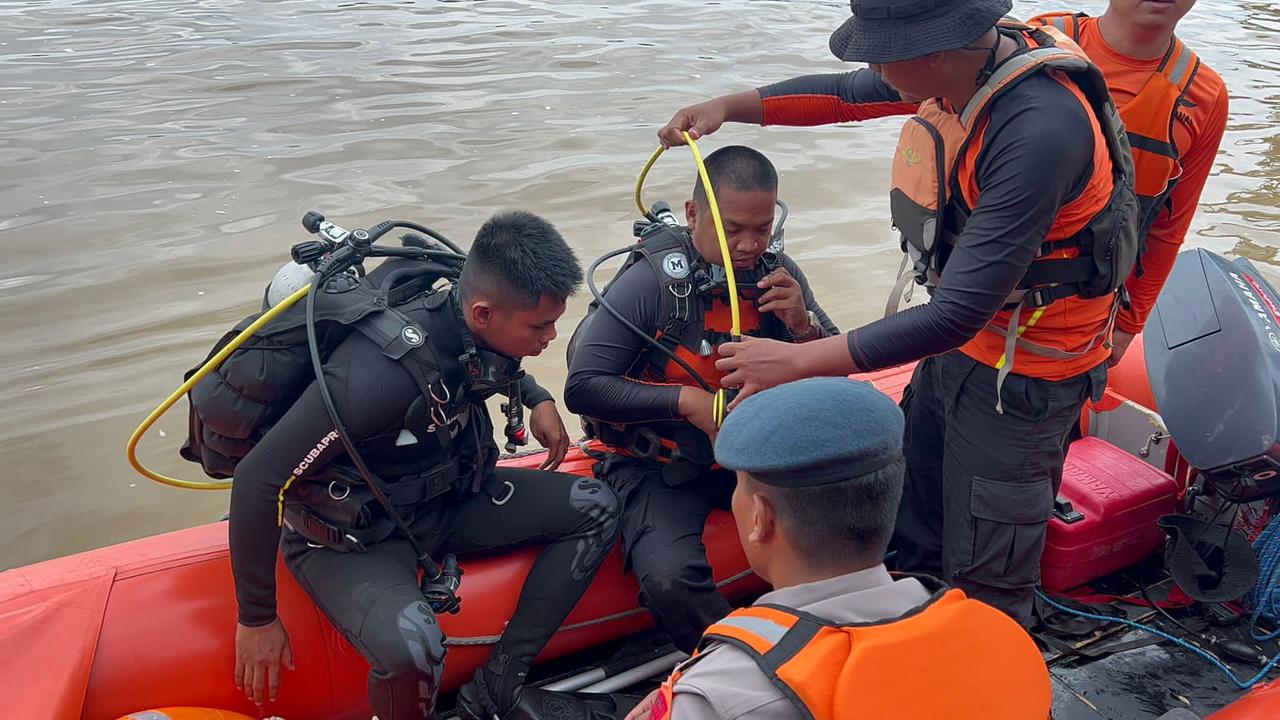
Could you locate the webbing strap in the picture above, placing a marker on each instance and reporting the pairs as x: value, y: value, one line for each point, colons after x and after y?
x: 896, y: 295
x: 1010, y: 344
x: 1016, y: 65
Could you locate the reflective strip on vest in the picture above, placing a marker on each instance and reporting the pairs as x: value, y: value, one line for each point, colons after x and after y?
x: 768, y: 630
x: 1181, y: 65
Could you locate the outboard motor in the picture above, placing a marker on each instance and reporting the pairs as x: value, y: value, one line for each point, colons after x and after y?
x: 1213, y: 360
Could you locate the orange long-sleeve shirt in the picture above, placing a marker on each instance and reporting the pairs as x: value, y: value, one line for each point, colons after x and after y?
x: 1197, y: 134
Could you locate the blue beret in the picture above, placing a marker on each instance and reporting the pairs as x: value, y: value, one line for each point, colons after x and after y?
x: 812, y: 432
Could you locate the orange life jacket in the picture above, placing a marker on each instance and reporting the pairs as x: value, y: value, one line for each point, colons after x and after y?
x: 696, y: 320
x: 951, y: 658
x: 1093, y: 243
x: 1149, y: 118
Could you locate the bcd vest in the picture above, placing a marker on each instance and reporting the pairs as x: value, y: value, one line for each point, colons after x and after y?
x: 951, y: 658
x: 232, y: 408
x: 934, y: 193
x: 1149, y: 119
x: 696, y: 319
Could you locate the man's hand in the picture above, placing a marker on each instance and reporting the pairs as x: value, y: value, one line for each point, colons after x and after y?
x: 697, y: 406
x: 756, y: 364
x: 259, y: 653
x: 784, y: 298
x: 644, y: 709
x: 1120, y: 341
x: 698, y: 120
x: 548, y: 429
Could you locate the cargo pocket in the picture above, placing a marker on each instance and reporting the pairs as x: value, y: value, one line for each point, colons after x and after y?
x: 1007, y: 532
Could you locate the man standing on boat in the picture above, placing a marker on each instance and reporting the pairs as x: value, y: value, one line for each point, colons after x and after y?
x: 435, y: 452
x: 652, y: 408
x: 1013, y: 190
x: 819, y: 465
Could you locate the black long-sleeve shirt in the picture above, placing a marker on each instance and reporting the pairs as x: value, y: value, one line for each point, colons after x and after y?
x: 1037, y: 156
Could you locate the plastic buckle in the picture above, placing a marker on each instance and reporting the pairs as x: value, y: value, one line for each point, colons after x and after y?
x: 653, y: 444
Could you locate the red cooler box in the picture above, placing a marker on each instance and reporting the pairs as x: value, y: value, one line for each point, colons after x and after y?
x: 1106, y: 516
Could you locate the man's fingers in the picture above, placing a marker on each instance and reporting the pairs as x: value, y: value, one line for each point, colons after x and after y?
x: 731, y: 379
x: 288, y: 656
x: 771, y: 295
x: 779, y: 278
x: 248, y: 680
x: 730, y: 349
x: 239, y: 674
x: 273, y: 681
x: 745, y: 392
x: 260, y: 683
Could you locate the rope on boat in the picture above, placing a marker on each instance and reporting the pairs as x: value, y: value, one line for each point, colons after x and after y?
x: 1243, y: 685
x: 493, y: 639
x: 1264, y: 598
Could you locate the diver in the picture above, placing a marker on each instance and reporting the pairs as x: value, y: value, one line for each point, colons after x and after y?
x: 432, y: 447
x: 642, y: 375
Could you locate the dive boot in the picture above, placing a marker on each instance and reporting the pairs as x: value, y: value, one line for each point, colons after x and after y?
x: 492, y: 693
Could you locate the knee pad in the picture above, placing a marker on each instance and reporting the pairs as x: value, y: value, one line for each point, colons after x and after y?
x: 406, y: 683
x: 599, y: 507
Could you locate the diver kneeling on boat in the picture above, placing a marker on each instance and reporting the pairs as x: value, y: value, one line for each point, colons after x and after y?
x: 410, y: 387
x: 820, y: 472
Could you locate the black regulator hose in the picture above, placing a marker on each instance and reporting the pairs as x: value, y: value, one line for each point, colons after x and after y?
x: 595, y: 292
x: 429, y: 566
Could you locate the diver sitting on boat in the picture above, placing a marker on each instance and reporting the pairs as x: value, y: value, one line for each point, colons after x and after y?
x: 410, y: 385
x: 820, y: 472
x: 642, y: 374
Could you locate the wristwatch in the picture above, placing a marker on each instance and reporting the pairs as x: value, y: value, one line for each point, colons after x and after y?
x: 811, y: 332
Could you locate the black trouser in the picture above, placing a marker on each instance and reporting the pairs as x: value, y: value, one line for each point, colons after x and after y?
x: 373, y: 597
x: 980, y: 485
x: 662, y: 543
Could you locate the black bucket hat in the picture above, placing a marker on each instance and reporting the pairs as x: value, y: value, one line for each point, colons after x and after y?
x: 1210, y: 561
x: 888, y: 31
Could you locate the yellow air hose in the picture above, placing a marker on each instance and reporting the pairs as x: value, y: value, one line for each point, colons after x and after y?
x: 723, y: 397
x: 212, y: 364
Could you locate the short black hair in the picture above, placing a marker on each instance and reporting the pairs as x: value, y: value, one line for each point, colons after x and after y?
x: 738, y: 167
x: 519, y: 255
x: 853, y: 518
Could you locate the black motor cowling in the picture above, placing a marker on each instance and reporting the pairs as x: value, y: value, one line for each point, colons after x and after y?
x: 1213, y: 361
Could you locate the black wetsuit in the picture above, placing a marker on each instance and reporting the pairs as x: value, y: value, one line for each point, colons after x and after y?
x: 662, y: 524
x: 373, y: 597
x: 980, y: 485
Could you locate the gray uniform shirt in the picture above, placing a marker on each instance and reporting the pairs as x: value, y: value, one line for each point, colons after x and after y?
x: 726, y: 684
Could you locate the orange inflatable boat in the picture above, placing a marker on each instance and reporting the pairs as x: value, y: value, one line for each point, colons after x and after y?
x: 150, y: 624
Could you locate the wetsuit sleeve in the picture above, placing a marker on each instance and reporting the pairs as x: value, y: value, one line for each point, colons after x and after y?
x: 835, y: 98
x: 810, y: 302
x: 531, y: 393
x: 605, y: 350
x: 1170, y: 228
x: 372, y: 394
x: 1037, y: 157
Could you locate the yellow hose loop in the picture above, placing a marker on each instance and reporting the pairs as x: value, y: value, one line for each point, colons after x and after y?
x: 736, y: 327
x: 644, y: 174
x: 176, y: 395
